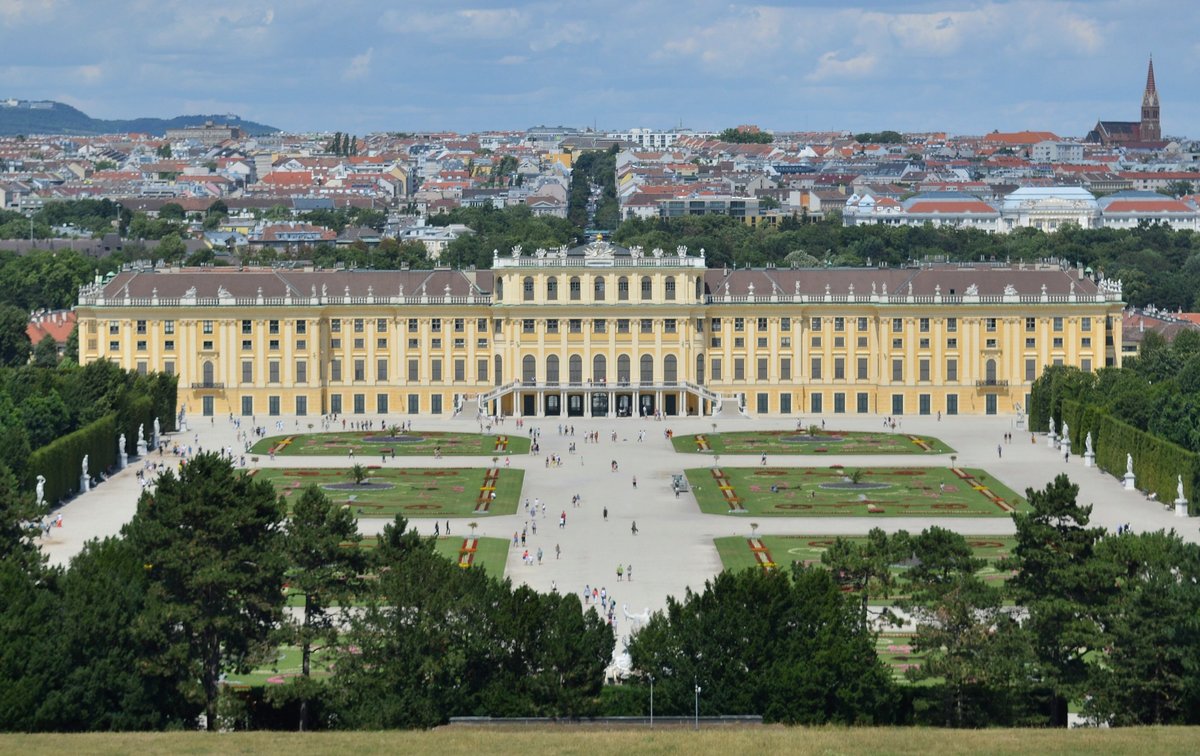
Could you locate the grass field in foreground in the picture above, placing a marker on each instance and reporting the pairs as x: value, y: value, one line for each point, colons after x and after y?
x: 410, y: 491
x: 831, y: 442
x: 737, y: 553
x: 824, y: 492
x: 372, y: 444
x: 566, y: 739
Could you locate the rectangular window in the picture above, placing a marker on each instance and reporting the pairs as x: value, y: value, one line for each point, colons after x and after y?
x: 247, y: 371
x: 951, y: 369
x: 715, y: 325
x: 527, y: 325
x: 897, y: 343
x: 815, y: 369
x: 669, y: 325
x: 1030, y: 324
x: 169, y: 345
x: 435, y: 370
x: 785, y: 324
x: 435, y: 404
x: 1031, y: 343
x: 273, y: 327
x: 381, y: 369
x: 989, y: 325
x: 460, y: 343
x: 1058, y: 342
x: 435, y: 325
x: 785, y: 368
x: 414, y: 370
x: 761, y: 324
x: 923, y: 370
x: 923, y: 325
x: 739, y: 324
x: 951, y: 404
x: 302, y: 405
x: 897, y: 325
x: 951, y: 325
x: 481, y: 325
x: 952, y: 343
x: 435, y: 343
x: 762, y: 403
x: 335, y: 343
x: 761, y: 343
x: 273, y: 345
x: 739, y: 369
x: 459, y: 325
x: 206, y: 327
x: 1058, y: 325
x: 552, y: 325
x: 335, y: 325
x: 670, y: 288
x: 816, y: 342
x: 1086, y: 342
x: 301, y: 371
x: 716, y: 369
x: 990, y: 343
x: 897, y: 371
x: 273, y: 406
x: 142, y: 368
x: 897, y: 404
x: 716, y: 342
x: 381, y: 403
x: 414, y: 404
x: 247, y: 406
x: 360, y: 404
x: 1085, y: 324
x: 247, y: 327
x: 839, y: 324
x: 1085, y: 364
x: 862, y: 403
x: 169, y: 327
x: 301, y: 327
x: 574, y: 288
x: 622, y: 325
x: 814, y: 401
x: 141, y: 326
x: 862, y: 369
x: 335, y: 404
x: 273, y: 371
x: 862, y: 324
x: 647, y: 325
x: 762, y: 368
x: 359, y: 326
x: 413, y: 327
x: 460, y: 370
x: 923, y: 344
x: 481, y: 369
x: 575, y: 325
x: 360, y: 370
x: 599, y: 325
x: 141, y: 345
x: 785, y: 404
x: 839, y: 368
x: 381, y: 343
x: 862, y: 342
x: 247, y: 345
x: 1030, y: 370
x: 739, y: 342
x: 814, y: 324
x: 301, y: 344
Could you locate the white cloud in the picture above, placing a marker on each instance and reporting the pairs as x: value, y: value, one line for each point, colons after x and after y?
x: 89, y: 74
x: 14, y: 11
x: 360, y: 65
x: 830, y: 66
x: 512, y: 60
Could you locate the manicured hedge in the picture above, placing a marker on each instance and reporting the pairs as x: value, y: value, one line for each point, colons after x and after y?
x: 1156, y: 462
x: 61, y: 460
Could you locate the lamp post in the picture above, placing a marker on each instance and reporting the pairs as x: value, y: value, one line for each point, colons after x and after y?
x: 651, y: 702
x: 697, y: 707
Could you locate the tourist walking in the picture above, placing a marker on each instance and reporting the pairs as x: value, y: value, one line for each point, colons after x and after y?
x: 634, y: 527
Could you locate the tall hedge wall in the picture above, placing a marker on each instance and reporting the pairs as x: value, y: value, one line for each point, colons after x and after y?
x: 61, y: 461
x: 1156, y: 462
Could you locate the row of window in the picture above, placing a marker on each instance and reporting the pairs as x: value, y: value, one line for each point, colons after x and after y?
x: 358, y: 403
x: 599, y: 289
x: 862, y: 365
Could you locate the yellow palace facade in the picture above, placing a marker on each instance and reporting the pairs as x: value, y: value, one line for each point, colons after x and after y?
x: 601, y: 330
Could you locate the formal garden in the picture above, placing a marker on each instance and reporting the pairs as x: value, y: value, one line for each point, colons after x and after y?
x: 838, y: 491
x: 392, y: 443
x: 810, y: 440
x: 371, y: 491
x: 781, y: 551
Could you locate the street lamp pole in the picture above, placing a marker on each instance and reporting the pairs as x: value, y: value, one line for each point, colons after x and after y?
x: 697, y: 707
x: 651, y: 702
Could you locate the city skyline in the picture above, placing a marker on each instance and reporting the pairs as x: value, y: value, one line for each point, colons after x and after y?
x: 913, y: 65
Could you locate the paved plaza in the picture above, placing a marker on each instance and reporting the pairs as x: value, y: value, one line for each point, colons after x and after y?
x: 673, y: 548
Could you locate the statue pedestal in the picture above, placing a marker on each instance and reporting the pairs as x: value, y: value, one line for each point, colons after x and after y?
x: 122, y: 460
x: 1089, y: 459
x: 154, y: 441
x: 1181, y: 508
x: 85, y: 485
x: 1066, y: 447
x: 141, y: 449
x: 1051, y: 440
x: 1129, y: 482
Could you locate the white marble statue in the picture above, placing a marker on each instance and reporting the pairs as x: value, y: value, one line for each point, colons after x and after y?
x: 41, y: 490
x: 1129, y: 464
x: 85, y: 466
x: 121, y: 444
x: 1179, y: 488
x: 141, y: 433
x: 1066, y: 432
x: 1087, y: 443
x: 157, y: 428
x: 1051, y: 426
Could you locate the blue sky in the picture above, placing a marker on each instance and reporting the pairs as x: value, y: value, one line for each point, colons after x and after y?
x: 965, y: 66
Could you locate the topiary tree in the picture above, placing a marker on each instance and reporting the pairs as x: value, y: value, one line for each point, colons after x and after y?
x: 359, y: 474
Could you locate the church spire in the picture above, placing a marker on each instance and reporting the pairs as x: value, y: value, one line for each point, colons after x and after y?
x: 1151, y: 130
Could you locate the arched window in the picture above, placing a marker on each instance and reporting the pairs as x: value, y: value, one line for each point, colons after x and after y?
x: 670, y: 369
x: 527, y: 289
x: 498, y: 370
x: 529, y: 369
x: 552, y: 288
x: 499, y: 289
x: 700, y: 368
x: 599, y: 369
x: 646, y: 287
x: 989, y: 370
x: 574, y: 287
x: 207, y: 373
x: 552, y: 369
x: 598, y: 288
x: 646, y: 369
x: 670, y: 287
x: 623, y: 289
x: 623, y: 369
x: 575, y: 369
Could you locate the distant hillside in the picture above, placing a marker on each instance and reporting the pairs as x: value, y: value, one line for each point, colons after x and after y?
x: 48, y: 117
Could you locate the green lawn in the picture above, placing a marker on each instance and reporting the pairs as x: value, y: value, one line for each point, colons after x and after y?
x: 801, y: 442
x: 371, y: 445
x: 738, y: 553
x: 823, y: 492
x: 286, y: 664
x: 412, y: 491
x: 491, y: 554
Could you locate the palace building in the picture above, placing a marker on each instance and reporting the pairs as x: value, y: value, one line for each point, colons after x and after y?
x: 602, y: 330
